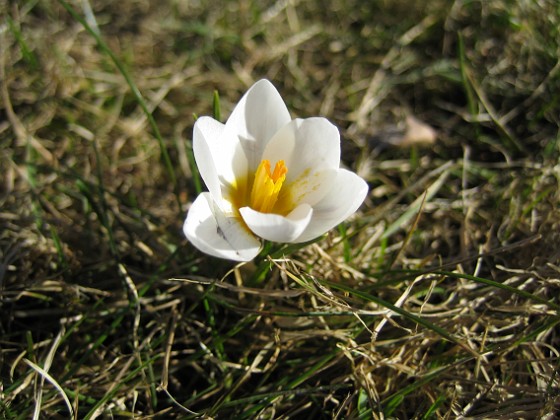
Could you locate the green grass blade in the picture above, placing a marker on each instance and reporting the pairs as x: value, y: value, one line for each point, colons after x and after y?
x: 415, y: 207
x: 26, y: 53
x: 217, y: 109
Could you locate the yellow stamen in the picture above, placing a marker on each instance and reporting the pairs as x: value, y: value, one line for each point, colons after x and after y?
x: 266, y: 186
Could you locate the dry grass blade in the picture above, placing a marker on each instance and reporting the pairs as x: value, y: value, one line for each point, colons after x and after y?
x: 45, y: 375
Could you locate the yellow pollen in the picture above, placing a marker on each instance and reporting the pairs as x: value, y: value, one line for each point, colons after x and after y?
x: 267, y: 185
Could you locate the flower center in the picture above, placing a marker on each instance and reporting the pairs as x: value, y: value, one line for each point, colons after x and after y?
x: 267, y: 185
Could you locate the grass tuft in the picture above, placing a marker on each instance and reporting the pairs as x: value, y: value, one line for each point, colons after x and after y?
x: 438, y: 299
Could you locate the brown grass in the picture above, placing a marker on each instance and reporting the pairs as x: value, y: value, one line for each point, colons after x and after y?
x: 439, y: 299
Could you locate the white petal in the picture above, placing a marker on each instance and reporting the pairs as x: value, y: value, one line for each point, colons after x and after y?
x: 310, y: 149
x: 226, y: 152
x: 208, y: 229
x: 277, y: 228
x: 207, y: 132
x: 303, y: 144
x: 346, y: 196
x: 260, y: 113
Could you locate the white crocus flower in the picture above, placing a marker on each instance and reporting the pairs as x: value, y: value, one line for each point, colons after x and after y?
x: 268, y: 177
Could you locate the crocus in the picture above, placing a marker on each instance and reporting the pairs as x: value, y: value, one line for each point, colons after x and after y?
x: 268, y: 177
